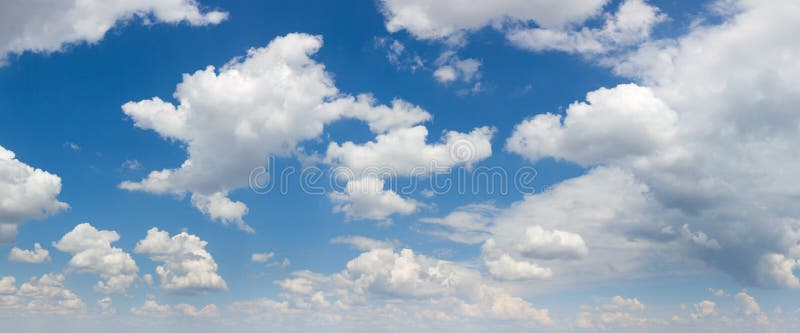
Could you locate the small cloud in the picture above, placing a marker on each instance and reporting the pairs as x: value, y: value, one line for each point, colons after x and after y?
x: 131, y: 165
x: 72, y: 145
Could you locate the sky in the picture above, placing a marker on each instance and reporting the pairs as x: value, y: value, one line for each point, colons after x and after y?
x: 399, y: 166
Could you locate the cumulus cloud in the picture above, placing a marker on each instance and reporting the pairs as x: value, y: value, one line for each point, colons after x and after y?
x: 703, y: 309
x: 445, y: 19
x: 748, y: 306
x: 411, y: 284
x: 614, y: 124
x: 266, y: 259
x: 45, y: 295
x: 696, y: 128
x: 49, y: 26
x: 27, y: 193
x: 630, y: 25
x: 618, y: 313
x: 92, y: 253
x: 187, y: 267
x: 366, y: 198
x: 35, y: 256
x: 468, y: 224
x: 232, y: 118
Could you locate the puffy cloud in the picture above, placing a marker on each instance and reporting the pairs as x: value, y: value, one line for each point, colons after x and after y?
x: 451, y: 68
x: 27, y: 193
x: 45, y: 295
x: 187, y: 266
x: 232, y: 118
x: 50, y: 25
x: 630, y: 25
x: 710, y: 111
x: 618, y: 313
x: 261, y: 257
x: 441, y: 19
x: 506, y: 268
x: 365, y: 198
x: 704, y: 308
x: 399, y: 152
x: 35, y: 256
x: 401, y: 282
x: 151, y: 308
x: 747, y: 305
x: 92, y: 253
x: 208, y: 311
x: 614, y: 124
x: 404, y: 151
x: 7, y: 285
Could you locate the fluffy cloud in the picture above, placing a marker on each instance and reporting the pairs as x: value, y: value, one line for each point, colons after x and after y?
x: 232, y: 118
x: 92, y: 253
x: 401, y: 281
x: 151, y: 308
x: 50, y: 25
x: 442, y: 19
x: 708, y: 117
x: 630, y: 25
x: 618, y: 313
x: 26, y: 193
x: 265, y: 258
x: 45, y: 295
x: 404, y: 152
x: 187, y: 266
x: 399, y: 152
x: 365, y: 198
x: 614, y: 124
x: 748, y: 306
x: 35, y: 256
x: 703, y: 309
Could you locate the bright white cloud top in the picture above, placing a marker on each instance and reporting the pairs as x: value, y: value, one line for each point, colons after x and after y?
x: 26, y: 193
x: 50, y: 25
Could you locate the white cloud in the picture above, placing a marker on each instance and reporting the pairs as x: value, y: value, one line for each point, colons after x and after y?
x: 92, y: 253
x: 50, y: 25
x: 7, y: 285
x: 232, y: 118
x: 208, y: 311
x: 45, y: 295
x: 403, y: 282
x: 366, y: 198
x: 26, y: 193
x: 614, y: 124
x: 151, y: 308
x: 618, y: 313
x: 506, y: 268
x: 35, y: 256
x: 748, y: 306
x: 630, y: 25
x: 703, y: 309
x: 187, y: 266
x: 399, y: 152
x: 261, y: 257
x: 448, y: 19
x: 364, y: 243
x: 404, y: 152
x: 451, y: 68
x: 708, y: 117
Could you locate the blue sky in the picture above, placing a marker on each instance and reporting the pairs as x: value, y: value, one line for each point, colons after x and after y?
x: 660, y: 135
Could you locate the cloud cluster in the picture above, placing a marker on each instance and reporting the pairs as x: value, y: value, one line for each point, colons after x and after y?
x: 26, y: 193
x: 45, y: 295
x: 409, y: 283
x: 705, y: 145
x: 187, y: 268
x: 232, y: 119
x: 92, y: 253
x: 35, y: 256
x: 447, y: 19
x: 50, y: 25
